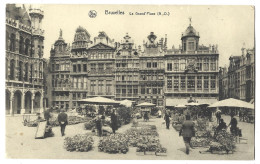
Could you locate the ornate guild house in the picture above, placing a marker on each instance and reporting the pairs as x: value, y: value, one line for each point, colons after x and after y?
x: 24, y: 60
x: 102, y: 67
x: 191, y: 70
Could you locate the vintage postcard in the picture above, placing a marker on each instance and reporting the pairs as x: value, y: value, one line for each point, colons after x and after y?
x: 130, y: 82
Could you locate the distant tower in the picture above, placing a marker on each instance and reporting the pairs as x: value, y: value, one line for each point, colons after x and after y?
x: 190, y: 39
x: 36, y: 15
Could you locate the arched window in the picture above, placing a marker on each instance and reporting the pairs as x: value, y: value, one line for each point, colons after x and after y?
x: 12, y: 68
x: 7, y: 40
x: 21, y: 45
x: 27, y: 45
x: 26, y: 71
x: 20, y: 75
x: 40, y: 70
x: 12, y: 42
x: 31, y: 72
x: 6, y: 68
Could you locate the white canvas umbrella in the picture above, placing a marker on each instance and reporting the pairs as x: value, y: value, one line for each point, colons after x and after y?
x: 127, y: 103
x: 145, y: 104
x: 100, y: 100
x: 180, y: 106
x: 231, y: 102
x: 192, y: 104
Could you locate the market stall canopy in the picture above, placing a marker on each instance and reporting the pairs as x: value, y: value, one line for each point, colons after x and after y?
x: 127, y: 103
x: 175, y: 102
x: 231, y: 102
x: 145, y: 104
x: 100, y: 100
x: 180, y: 106
x: 207, y: 101
x: 193, y: 104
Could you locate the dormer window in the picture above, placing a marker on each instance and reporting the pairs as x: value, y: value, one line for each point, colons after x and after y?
x: 190, y: 46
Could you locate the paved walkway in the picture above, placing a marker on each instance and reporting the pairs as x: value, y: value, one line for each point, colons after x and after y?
x: 20, y: 143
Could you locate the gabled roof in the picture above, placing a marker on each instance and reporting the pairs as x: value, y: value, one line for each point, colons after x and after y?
x: 101, y: 46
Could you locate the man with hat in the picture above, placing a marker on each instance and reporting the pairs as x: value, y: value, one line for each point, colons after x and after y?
x: 63, y: 121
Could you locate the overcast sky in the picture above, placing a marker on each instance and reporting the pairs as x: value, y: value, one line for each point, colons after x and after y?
x: 227, y: 26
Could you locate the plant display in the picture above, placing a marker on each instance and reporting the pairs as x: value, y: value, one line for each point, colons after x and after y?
x: 135, y: 134
x: 215, y: 146
x: 72, y: 120
x: 89, y: 125
x: 113, y: 144
x: 201, y: 124
x: 226, y: 139
x: 124, y: 114
x: 161, y: 149
x: 147, y: 143
x: 80, y: 142
x: 200, y: 142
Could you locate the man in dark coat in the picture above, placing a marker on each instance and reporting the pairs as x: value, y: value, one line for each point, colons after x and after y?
x: 218, y: 116
x: 47, y: 116
x: 98, y: 125
x: 63, y: 121
x: 113, y: 122
x: 167, y: 119
x: 187, y: 131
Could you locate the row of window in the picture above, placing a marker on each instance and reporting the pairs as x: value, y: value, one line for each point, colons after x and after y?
x: 199, y: 66
x: 78, y: 68
x: 102, y: 86
x: 151, y: 90
x: 102, y: 56
x: 127, y: 65
x: 127, y: 78
x: 127, y: 91
x: 61, y: 67
x: 76, y: 96
x: 23, y: 71
x: 183, y: 83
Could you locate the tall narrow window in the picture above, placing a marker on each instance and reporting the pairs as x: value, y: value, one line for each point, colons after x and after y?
x: 169, y: 82
x: 183, y: 82
x: 74, y: 68
x: 199, y: 64
x: 27, y: 45
x: 85, y: 67
x: 79, y: 67
x: 12, y: 69
x: 206, y: 64
x: 169, y: 66
x: 183, y: 64
x: 12, y: 42
x: 21, y: 45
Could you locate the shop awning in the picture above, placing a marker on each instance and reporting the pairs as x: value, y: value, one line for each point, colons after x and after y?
x: 175, y: 102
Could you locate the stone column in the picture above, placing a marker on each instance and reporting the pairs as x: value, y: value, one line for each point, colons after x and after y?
x: 32, y: 102
x: 11, y: 103
x: 22, y: 103
x: 41, y: 103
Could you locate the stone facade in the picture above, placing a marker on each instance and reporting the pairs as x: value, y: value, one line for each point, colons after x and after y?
x: 151, y: 73
x: 238, y: 80
x: 24, y: 60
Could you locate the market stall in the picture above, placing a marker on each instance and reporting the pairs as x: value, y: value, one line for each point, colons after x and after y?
x: 145, y: 109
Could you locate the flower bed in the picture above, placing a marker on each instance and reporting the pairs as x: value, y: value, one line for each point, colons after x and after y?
x: 135, y: 134
x: 113, y: 144
x: 72, y: 120
x: 200, y: 142
x: 82, y: 143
